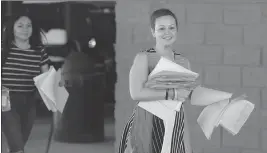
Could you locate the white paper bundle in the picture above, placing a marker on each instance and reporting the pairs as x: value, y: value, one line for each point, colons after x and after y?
x: 167, y: 65
x: 235, y: 115
x: 168, y: 74
x: 208, y: 118
x: 219, y: 110
x: 54, y: 96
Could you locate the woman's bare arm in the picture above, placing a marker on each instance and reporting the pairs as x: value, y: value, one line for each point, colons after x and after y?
x: 138, y: 76
x: 56, y: 58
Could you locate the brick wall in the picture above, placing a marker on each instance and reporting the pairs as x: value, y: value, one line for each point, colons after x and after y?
x: 226, y: 42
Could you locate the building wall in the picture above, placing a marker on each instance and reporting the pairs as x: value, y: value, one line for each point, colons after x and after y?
x: 226, y: 42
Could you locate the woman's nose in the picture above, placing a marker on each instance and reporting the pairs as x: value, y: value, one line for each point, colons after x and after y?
x: 167, y: 31
x: 25, y: 28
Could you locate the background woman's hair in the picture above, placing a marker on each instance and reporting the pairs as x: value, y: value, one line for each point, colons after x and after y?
x: 159, y: 13
x: 35, y: 39
x: 73, y: 45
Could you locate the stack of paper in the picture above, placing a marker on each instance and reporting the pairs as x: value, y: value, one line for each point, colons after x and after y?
x: 220, y: 110
x: 168, y: 74
x: 54, y: 96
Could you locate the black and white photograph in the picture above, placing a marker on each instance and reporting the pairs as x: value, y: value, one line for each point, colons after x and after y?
x: 134, y: 76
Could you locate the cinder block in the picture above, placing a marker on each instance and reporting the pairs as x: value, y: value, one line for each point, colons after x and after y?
x: 142, y: 33
x: 191, y: 34
x: 202, y: 54
x: 242, y: 14
x: 223, y: 76
x: 204, y: 13
x: 221, y: 150
x: 192, y: 113
x: 126, y: 52
x: 198, y: 68
x: 124, y: 34
x: 254, y: 77
x: 263, y: 118
x: 242, y: 55
x: 264, y: 140
x: 264, y: 57
x: 199, y: 141
x: 132, y: 11
x: 264, y: 97
x: 246, y: 138
x: 264, y: 13
x: 255, y: 34
x: 223, y: 34
x: 252, y: 151
x: 232, y: 1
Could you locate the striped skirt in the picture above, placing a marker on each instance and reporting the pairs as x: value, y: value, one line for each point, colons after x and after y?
x: 144, y: 133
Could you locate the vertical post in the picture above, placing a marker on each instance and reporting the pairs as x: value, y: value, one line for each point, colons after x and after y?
x: 67, y: 18
x: 9, y: 8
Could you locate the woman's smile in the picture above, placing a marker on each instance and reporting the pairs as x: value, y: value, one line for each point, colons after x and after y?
x: 167, y: 37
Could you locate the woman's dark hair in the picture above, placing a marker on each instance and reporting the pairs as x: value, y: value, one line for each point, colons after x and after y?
x: 159, y: 13
x: 8, y: 33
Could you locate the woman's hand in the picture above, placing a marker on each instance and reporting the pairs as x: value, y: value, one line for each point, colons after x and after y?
x: 62, y: 83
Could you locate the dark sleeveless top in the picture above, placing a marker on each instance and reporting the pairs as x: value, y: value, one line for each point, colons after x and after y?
x: 153, y: 59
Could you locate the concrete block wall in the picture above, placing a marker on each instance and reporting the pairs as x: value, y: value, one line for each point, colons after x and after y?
x: 226, y: 42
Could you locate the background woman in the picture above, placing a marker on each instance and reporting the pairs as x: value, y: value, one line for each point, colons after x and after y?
x: 24, y: 58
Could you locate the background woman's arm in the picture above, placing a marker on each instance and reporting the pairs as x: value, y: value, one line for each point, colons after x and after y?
x: 44, y: 61
x: 56, y: 58
x: 44, y: 68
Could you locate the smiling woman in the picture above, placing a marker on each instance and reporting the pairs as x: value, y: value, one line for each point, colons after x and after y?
x: 24, y: 58
x: 164, y: 27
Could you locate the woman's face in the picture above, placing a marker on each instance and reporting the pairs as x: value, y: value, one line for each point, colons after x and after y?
x: 23, y: 28
x: 165, y: 30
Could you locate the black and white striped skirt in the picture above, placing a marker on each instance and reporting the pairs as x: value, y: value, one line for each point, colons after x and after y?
x: 144, y: 133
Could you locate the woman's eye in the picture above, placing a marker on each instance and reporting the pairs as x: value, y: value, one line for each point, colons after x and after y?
x: 172, y: 28
x: 161, y: 29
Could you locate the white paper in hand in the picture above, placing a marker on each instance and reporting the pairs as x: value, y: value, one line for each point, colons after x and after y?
x: 61, y: 93
x: 54, y: 96
x: 167, y: 65
x: 202, y: 96
x: 208, y: 118
x: 235, y: 115
x: 38, y: 82
x: 49, y: 83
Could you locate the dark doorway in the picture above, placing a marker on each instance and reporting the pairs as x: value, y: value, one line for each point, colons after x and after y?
x: 82, y: 20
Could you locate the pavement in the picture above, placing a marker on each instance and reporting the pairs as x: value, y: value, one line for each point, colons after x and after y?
x: 38, y: 141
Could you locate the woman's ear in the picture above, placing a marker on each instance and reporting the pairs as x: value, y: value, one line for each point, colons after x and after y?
x: 153, y: 32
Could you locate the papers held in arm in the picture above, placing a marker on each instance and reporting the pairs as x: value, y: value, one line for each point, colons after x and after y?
x: 54, y: 96
x: 219, y: 108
